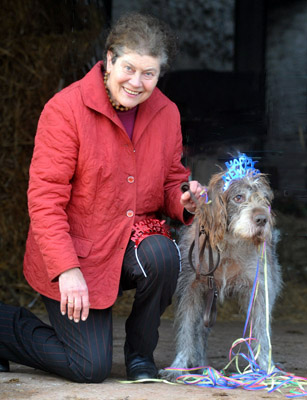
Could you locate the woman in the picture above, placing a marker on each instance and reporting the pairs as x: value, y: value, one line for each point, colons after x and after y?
x: 106, y: 165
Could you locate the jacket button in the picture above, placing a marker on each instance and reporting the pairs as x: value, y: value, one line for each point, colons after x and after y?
x: 130, y: 213
x: 130, y: 179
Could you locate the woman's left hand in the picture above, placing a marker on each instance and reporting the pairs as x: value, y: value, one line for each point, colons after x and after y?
x: 74, y: 294
x: 186, y: 200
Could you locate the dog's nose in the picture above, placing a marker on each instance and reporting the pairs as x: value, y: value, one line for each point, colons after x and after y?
x: 260, y: 219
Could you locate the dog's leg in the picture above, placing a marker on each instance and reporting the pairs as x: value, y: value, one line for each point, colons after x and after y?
x: 261, y: 324
x: 262, y: 314
x: 262, y: 330
x: 191, y: 338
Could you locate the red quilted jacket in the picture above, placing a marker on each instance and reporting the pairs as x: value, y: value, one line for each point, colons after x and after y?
x: 89, y: 184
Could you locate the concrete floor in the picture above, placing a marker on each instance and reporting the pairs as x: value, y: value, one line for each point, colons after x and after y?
x: 289, y: 343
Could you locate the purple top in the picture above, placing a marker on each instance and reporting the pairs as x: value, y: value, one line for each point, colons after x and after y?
x: 128, y: 119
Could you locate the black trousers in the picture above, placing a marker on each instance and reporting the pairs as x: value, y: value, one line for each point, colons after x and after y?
x: 82, y: 352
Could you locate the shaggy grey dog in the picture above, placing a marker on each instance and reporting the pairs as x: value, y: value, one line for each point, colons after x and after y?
x: 238, y: 220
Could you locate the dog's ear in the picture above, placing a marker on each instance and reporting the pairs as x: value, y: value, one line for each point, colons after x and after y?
x: 212, y: 211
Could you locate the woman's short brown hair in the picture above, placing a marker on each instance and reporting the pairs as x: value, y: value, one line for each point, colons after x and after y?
x: 143, y: 34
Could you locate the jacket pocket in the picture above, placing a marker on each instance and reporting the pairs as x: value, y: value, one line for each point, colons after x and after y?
x: 82, y: 246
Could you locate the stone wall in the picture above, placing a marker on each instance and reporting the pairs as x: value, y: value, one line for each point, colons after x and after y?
x: 286, y: 68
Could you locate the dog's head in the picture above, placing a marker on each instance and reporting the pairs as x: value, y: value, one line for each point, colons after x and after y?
x: 243, y: 209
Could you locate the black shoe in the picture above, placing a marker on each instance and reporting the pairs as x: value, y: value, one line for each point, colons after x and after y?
x: 4, y: 366
x: 141, y: 368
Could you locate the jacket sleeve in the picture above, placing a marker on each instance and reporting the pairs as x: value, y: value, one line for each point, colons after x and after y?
x: 51, y: 171
x: 177, y: 174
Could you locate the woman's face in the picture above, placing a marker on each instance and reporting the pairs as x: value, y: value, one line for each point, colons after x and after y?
x: 132, y: 78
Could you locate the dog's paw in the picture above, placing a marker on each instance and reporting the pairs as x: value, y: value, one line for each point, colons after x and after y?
x: 265, y: 364
x: 168, y: 375
x: 271, y: 367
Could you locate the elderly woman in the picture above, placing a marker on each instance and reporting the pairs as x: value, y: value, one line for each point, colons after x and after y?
x: 105, y: 168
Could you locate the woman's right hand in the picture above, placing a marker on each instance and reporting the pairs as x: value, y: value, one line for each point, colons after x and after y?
x: 74, y: 295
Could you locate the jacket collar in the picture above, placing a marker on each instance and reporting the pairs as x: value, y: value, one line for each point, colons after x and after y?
x: 95, y: 97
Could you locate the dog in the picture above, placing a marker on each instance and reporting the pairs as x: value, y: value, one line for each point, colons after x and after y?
x: 236, y: 219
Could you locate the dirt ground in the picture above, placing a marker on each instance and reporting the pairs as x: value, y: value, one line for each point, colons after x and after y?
x: 289, y: 348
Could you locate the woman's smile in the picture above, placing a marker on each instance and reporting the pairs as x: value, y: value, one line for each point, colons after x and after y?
x: 131, y: 92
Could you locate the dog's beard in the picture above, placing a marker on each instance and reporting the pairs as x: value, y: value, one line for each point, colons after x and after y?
x: 244, y: 227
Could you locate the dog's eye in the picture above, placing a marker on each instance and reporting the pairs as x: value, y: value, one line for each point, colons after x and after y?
x: 239, y: 198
